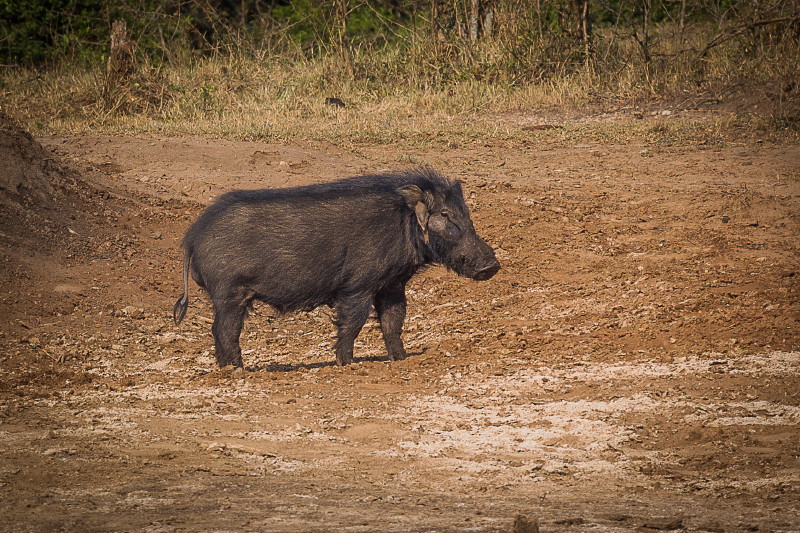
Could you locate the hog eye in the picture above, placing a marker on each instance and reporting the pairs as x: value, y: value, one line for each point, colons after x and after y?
x: 445, y: 214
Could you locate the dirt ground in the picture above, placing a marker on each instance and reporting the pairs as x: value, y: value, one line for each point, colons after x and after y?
x: 635, y: 366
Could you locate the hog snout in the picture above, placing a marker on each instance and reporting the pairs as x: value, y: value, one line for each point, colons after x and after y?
x: 479, y: 263
x: 485, y: 272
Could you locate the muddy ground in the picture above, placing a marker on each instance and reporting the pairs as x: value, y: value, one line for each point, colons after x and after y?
x: 634, y: 366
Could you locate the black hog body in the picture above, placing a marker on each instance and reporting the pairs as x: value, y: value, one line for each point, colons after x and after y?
x: 352, y: 244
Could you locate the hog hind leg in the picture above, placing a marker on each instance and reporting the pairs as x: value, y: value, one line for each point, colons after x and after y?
x: 229, y: 315
x: 351, y: 315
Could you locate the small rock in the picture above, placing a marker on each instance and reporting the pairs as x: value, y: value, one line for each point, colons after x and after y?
x: 712, y: 528
x: 664, y: 524
x: 522, y: 524
x: 133, y: 312
x: 576, y: 521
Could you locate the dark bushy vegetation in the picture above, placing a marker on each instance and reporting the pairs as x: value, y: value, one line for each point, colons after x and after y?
x: 35, y: 32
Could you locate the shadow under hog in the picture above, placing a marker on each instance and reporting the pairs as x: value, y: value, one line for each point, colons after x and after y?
x: 350, y: 244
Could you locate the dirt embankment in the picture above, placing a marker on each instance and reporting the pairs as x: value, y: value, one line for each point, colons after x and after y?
x: 633, y: 366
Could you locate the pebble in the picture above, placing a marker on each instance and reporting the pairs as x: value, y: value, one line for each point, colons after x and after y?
x: 523, y: 524
x: 133, y: 312
x: 664, y: 524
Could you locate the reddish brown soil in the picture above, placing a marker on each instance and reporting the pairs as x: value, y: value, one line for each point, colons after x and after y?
x: 634, y: 366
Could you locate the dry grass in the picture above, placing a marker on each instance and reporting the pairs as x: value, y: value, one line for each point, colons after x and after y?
x: 429, y: 96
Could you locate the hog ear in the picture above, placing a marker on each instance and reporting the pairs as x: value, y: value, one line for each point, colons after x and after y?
x: 415, y: 199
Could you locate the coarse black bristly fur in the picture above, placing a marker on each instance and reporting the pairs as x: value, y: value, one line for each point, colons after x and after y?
x: 352, y: 244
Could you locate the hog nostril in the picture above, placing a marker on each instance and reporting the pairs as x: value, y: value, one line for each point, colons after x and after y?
x: 482, y: 274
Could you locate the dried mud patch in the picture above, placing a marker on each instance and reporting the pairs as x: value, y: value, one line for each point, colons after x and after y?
x: 634, y: 366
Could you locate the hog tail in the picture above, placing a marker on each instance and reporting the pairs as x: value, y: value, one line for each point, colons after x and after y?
x: 179, y: 311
